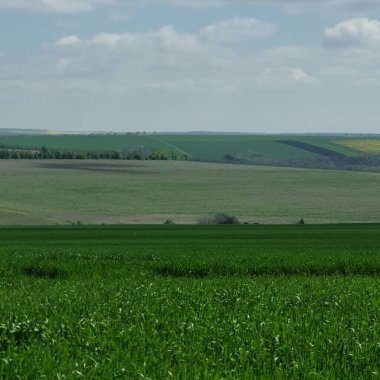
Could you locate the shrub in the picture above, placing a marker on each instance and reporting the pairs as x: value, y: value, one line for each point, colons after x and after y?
x: 220, y: 219
x: 225, y: 219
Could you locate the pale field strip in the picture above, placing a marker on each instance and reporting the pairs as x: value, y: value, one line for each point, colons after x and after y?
x: 362, y: 145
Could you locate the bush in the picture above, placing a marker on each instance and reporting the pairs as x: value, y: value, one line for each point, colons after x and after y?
x: 169, y: 221
x: 220, y: 219
x: 225, y: 219
x: 302, y: 222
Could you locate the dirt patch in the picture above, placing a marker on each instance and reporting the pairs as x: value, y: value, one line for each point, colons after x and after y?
x: 72, y: 218
x: 95, y: 167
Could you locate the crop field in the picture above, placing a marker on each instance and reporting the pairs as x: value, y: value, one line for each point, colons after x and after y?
x: 82, y: 142
x: 68, y: 191
x: 369, y: 146
x: 190, y: 302
x: 214, y: 147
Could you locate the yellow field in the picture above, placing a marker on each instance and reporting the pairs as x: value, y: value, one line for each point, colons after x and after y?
x: 362, y: 145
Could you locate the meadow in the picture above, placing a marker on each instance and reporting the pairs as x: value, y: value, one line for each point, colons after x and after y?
x: 190, y: 302
x: 68, y: 191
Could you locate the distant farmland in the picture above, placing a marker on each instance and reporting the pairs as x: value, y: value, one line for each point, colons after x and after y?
x: 213, y: 148
x: 82, y: 142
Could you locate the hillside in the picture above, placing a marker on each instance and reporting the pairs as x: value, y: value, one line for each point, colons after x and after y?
x: 67, y: 191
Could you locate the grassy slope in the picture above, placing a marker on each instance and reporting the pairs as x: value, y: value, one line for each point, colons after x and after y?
x: 190, y: 302
x: 125, y: 191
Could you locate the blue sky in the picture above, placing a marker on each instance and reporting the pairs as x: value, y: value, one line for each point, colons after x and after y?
x: 184, y: 65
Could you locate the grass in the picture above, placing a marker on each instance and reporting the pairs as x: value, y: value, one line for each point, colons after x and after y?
x: 190, y: 302
x: 48, y: 192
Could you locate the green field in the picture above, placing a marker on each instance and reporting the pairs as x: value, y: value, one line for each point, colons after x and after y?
x: 215, y: 147
x: 67, y: 191
x: 198, y: 147
x: 82, y: 142
x: 195, y: 302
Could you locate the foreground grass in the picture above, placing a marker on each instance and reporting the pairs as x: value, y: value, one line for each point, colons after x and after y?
x: 190, y: 302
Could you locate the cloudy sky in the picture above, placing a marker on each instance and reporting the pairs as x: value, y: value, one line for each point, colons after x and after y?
x: 184, y: 65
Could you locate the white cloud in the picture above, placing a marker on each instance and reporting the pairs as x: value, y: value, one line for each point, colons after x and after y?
x: 189, y: 85
x: 357, y: 32
x: 165, y: 38
x: 236, y: 29
x: 106, y: 39
x: 286, y: 78
x: 54, y: 6
x: 165, y: 51
x: 168, y: 39
x: 69, y: 40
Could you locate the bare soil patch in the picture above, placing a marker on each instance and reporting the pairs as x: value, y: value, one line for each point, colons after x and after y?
x: 93, y: 166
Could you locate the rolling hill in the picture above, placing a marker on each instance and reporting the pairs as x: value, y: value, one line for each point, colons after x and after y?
x: 340, y: 152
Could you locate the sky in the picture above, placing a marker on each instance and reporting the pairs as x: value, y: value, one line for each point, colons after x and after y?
x: 273, y: 66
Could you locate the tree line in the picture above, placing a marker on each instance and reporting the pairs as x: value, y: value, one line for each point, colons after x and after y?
x: 44, y: 153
